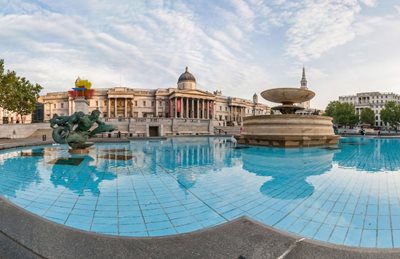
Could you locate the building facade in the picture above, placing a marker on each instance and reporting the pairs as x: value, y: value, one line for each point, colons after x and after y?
x: 374, y: 100
x: 185, y: 102
x: 7, y: 117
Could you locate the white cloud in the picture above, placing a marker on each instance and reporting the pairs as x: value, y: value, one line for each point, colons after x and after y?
x: 240, y: 47
x: 320, y: 26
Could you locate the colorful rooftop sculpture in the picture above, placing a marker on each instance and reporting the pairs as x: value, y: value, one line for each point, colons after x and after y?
x: 82, y: 89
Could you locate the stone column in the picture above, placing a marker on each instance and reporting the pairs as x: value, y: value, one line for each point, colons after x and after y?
x: 170, y: 107
x: 214, y: 107
x: 187, y: 108
x: 202, y: 109
x: 156, y: 107
x: 176, y: 106
x: 192, y: 110
x: 115, y: 108
x: 126, y: 107
x: 108, y: 108
x: 51, y: 115
x: 181, y: 105
x: 208, y: 109
x: 198, y: 109
x: 235, y: 113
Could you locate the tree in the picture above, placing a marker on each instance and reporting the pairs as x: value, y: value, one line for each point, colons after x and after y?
x: 367, y: 116
x: 391, y: 114
x: 342, y: 113
x: 17, y: 94
x: 331, y: 108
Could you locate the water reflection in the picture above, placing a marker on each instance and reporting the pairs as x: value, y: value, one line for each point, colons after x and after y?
x: 289, y: 169
x: 18, y: 172
x: 80, y: 179
x: 186, y: 159
x: 368, y: 154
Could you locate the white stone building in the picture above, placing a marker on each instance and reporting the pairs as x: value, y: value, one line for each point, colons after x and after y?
x: 374, y: 100
x: 182, y: 102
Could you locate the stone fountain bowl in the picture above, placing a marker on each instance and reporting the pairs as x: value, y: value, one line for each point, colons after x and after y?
x: 287, y: 96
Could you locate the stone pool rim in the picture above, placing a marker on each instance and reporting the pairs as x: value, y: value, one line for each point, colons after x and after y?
x: 38, y: 237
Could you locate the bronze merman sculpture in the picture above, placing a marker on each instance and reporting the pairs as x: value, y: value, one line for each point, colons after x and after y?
x: 75, y: 130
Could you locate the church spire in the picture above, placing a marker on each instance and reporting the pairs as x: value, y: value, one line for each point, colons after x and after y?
x: 303, y: 82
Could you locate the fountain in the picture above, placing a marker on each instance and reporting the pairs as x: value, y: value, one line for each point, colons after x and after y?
x: 288, y: 129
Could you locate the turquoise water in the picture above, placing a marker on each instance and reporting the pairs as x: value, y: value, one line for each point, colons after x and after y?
x: 347, y: 195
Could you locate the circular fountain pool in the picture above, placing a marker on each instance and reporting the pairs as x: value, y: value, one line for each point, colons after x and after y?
x: 346, y: 195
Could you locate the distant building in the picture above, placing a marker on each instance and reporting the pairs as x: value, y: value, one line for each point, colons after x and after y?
x: 373, y: 100
x: 184, y: 101
x: 7, y: 117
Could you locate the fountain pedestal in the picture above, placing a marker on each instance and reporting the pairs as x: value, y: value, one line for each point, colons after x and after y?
x: 288, y: 129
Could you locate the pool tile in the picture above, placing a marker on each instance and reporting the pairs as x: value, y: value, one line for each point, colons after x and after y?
x: 158, y: 225
x: 162, y: 232
x: 368, y: 238
x: 129, y: 228
x: 371, y: 222
x: 189, y: 227
x: 353, y: 237
x: 338, y: 235
x: 384, y: 239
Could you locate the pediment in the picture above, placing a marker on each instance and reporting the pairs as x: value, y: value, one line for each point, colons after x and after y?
x: 196, y: 92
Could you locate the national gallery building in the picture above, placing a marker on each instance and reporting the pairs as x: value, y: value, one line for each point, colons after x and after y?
x: 184, y: 102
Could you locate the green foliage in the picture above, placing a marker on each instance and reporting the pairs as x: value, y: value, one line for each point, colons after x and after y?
x: 342, y: 113
x: 17, y: 94
x: 367, y: 116
x: 331, y: 108
x: 391, y: 114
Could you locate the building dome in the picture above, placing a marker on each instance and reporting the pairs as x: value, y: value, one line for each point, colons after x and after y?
x: 187, y: 81
x: 187, y: 76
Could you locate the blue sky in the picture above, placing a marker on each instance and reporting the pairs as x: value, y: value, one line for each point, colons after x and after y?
x: 237, y: 46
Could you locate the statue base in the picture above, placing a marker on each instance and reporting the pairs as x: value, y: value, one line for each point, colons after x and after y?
x: 80, y: 148
x: 79, y: 151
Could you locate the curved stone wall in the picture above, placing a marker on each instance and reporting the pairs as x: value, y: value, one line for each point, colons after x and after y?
x: 288, y: 130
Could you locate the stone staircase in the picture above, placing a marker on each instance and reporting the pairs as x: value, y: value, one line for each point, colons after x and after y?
x: 40, y: 132
x: 227, y: 130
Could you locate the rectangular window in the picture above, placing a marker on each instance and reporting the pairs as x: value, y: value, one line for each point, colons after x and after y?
x: 160, y: 103
x: 152, y: 103
x: 97, y: 103
x: 144, y: 103
x: 54, y: 106
x: 220, y: 108
x: 135, y: 103
x: 62, y: 105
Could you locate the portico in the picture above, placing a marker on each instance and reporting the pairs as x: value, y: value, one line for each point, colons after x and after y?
x: 191, y: 106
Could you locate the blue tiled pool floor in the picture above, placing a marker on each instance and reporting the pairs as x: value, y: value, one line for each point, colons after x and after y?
x: 348, y: 196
